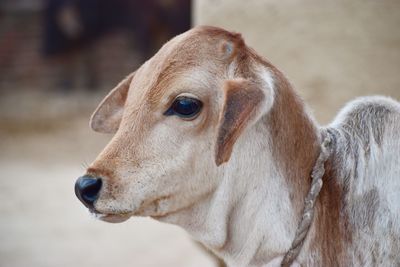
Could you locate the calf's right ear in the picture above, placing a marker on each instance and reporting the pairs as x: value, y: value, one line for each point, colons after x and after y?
x: 107, y: 116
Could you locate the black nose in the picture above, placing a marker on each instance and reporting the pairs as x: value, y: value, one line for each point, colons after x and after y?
x: 87, y: 189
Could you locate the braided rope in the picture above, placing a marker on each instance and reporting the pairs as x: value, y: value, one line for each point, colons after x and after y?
x: 308, y: 212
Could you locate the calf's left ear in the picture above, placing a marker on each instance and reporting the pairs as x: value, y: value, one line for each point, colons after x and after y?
x: 107, y: 116
x: 242, y: 102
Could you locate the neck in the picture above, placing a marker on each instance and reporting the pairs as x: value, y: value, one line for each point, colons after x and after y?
x: 252, y: 216
x: 328, y: 233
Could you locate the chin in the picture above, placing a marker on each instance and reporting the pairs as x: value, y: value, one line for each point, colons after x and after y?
x: 111, y: 218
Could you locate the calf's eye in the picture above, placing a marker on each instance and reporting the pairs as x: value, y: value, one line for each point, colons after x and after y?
x: 184, y: 107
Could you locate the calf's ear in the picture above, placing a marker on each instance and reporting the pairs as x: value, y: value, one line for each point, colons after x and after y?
x: 242, y: 101
x: 107, y: 116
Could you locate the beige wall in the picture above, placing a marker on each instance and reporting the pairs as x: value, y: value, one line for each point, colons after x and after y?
x: 332, y: 51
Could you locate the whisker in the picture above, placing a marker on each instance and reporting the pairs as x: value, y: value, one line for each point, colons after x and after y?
x: 85, y: 165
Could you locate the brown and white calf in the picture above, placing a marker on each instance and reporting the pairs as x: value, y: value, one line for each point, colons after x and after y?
x: 212, y: 137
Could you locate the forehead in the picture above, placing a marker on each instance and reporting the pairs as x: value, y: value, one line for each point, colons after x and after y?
x: 196, y: 46
x: 205, y: 48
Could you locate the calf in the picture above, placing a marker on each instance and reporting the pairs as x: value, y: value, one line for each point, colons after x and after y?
x: 212, y: 137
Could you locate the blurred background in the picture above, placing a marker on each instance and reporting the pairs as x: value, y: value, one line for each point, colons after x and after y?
x: 58, y: 58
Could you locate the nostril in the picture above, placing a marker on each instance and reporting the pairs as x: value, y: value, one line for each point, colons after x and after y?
x: 90, y: 189
x: 87, y: 189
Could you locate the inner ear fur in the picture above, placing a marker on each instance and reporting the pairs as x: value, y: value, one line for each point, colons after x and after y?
x: 107, y: 116
x: 242, y: 100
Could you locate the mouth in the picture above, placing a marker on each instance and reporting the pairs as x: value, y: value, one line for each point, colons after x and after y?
x: 151, y: 208
x: 110, y: 218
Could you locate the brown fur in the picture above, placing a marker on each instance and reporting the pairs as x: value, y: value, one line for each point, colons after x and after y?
x: 330, y: 223
x: 296, y: 146
x: 188, y: 54
x: 241, y: 99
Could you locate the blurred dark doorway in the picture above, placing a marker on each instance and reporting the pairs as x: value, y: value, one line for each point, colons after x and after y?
x: 85, y: 44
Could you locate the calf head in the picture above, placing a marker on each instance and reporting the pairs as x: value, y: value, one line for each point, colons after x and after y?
x: 177, y: 121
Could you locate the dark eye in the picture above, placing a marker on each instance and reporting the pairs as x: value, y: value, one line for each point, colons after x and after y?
x: 184, y: 107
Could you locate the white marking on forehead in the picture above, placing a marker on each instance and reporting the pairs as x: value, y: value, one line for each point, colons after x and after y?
x: 268, y: 87
x: 267, y: 77
x: 231, y: 70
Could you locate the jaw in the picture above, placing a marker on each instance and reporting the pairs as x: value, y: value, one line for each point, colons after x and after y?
x: 162, y: 209
x: 158, y: 208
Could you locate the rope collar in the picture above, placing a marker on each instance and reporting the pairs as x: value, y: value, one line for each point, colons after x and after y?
x: 309, y: 203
